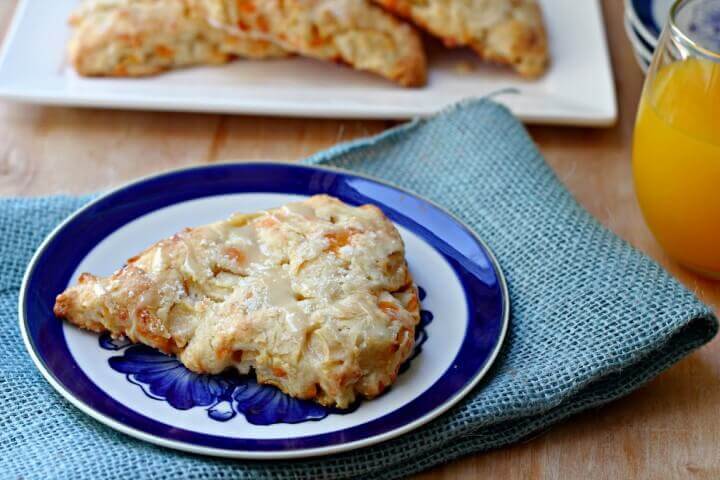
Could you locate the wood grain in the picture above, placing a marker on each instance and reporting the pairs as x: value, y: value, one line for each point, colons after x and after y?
x: 668, y: 429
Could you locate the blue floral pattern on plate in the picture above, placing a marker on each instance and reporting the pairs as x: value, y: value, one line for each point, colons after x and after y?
x: 164, y: 378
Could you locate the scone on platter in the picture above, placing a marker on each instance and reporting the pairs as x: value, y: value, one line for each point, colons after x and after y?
x: 145, y: 37
x: 353, y: 32
x: 314, y: 296
x: 510, y: 32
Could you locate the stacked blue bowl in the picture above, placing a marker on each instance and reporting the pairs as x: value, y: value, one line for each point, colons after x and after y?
x: 644, y: 21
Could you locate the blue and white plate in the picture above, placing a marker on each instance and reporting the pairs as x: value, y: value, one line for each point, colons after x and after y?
x: 148, y: 395
x: 648, y: 18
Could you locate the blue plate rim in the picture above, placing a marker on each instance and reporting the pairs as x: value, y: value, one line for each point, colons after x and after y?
x: 245, y: 454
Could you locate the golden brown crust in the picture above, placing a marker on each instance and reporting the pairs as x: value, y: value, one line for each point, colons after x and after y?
x: 315, y: 296
x: 509, y: 32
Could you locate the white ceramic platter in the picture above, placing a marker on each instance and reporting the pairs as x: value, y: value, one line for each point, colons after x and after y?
x: 577, y: 90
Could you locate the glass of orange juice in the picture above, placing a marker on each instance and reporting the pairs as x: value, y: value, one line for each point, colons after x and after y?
x: 676, y: 148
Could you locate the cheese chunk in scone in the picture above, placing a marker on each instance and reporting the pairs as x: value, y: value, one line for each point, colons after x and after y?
x: 315, y: 296
x: 144, y: 37
x: 510, y: 32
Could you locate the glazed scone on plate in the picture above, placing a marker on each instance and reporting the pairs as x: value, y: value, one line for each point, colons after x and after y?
x: 315, y: 296
x: 510, y: 32
x: 144, y: 37
x: 354, y: 32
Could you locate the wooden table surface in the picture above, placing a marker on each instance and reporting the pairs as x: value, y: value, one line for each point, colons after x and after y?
x: 667, y: 429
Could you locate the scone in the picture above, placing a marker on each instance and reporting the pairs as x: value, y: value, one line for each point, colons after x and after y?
x: 144, y: 37
x: 510, y: 32
x: 315, y: 296
x: 354, y: 32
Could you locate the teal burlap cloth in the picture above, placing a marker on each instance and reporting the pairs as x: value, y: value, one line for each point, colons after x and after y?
x: 592, y: 318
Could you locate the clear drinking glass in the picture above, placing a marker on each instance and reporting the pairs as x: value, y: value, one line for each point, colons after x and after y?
x: 676, y: 149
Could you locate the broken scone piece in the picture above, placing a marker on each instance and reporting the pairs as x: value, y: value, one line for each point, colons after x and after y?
x: 315, y: 296
x: 145, y: 37
x: 509, y: 32
x: 354, y: 32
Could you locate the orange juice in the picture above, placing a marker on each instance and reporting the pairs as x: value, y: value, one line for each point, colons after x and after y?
x: 676, y: 161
